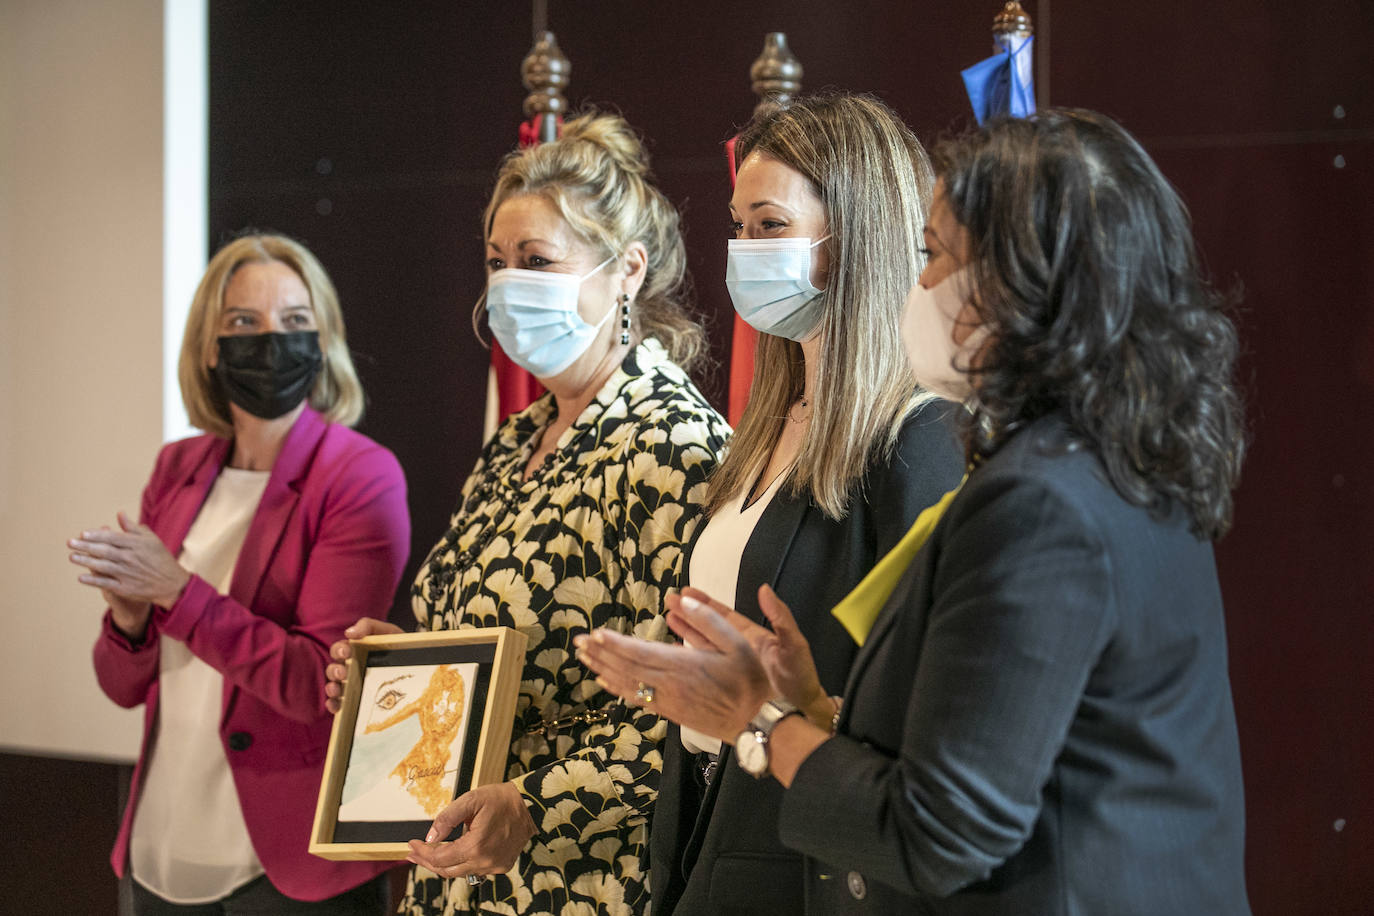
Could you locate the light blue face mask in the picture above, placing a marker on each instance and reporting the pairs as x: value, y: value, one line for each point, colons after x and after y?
x: 770, y: 284
x: 533, y: 315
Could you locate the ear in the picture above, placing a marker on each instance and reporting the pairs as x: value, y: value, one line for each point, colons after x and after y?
x: 635, y: 265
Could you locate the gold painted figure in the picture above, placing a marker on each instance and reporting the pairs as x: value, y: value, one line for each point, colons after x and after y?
x: 440, y: 709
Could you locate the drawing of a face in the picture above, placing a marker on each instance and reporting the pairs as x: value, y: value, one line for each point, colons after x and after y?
x: 375, y: 751
x: 390, y: 694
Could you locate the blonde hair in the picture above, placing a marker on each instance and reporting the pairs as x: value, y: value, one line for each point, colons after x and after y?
x: 596, y: 175
x: 337, y: 393
x: 876, y: 182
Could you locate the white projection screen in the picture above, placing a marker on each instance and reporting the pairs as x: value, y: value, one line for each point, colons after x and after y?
x: 102, y: 239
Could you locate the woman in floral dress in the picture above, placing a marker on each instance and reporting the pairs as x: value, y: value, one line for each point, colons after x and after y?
x: 574, y: 518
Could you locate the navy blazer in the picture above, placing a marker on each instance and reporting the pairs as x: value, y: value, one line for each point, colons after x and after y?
x: 1040, y: 720
x: 718, y: 851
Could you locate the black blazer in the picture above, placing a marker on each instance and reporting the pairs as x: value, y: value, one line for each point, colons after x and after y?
x: 1040, y: 720
x: 719, y: 853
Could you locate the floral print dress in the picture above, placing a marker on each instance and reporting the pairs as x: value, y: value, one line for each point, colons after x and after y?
x: 593, y: 538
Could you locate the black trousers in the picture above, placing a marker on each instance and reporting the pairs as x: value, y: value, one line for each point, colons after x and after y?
x: 259, y: 898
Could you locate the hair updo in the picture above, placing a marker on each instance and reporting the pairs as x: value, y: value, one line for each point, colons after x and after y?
x: 596, y: 175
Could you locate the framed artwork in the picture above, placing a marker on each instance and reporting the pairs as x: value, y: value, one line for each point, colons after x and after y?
x: 424, y: 718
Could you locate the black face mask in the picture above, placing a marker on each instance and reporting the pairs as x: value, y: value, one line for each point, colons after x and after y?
x: 269, y: 374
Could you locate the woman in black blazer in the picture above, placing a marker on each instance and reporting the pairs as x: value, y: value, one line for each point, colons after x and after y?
x: 714, y: 844
x: 836, y: 455
x: 1040, y: 718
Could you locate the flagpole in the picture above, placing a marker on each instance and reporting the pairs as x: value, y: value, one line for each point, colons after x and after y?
x: 775, y: 77
x: 1042, y: 54
x: 540, y: 17
x: 1010, y: 30
x: 544, y: 72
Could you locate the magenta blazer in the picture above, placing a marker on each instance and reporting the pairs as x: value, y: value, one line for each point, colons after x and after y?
x: 326, y: 547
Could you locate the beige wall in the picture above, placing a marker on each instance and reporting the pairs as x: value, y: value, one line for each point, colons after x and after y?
x: 80, y: 341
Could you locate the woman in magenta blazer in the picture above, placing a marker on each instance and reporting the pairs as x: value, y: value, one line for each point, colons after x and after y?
x: 257, y: 544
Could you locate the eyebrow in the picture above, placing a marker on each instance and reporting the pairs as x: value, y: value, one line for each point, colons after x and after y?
x: 521, y: 245
x: 298, y: 307
x: 392, y: 681
x: 766, y: 202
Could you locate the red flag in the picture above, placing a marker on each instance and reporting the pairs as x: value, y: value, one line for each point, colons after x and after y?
x: 743, y: 341
x: 510, y: 388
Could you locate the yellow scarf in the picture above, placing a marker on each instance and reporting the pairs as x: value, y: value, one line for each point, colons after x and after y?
x: 859, y: 609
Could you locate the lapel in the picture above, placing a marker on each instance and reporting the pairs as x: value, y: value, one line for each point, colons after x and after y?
x: 278, y: 501
x: 771, y: 538
x: 183, y: 504
x: 902, y: 602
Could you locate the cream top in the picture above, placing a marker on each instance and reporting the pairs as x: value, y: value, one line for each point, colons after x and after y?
x: 189, y: 842
x: 715, y: 569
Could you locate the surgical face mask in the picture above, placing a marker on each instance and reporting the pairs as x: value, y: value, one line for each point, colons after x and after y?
x: 533, y: 315
x: 938, y: 363
x: 268, y: 374
x: 770, y: 284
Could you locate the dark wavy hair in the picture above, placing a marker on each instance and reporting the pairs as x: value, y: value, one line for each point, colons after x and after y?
x: 1083, y: 266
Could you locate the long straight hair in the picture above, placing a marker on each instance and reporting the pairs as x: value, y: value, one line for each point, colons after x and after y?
x: 875, y: 182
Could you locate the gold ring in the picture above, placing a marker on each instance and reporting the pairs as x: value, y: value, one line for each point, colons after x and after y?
x: 644, y: 694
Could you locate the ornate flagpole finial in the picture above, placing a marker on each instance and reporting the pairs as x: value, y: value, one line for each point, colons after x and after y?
x: 545, y: 73
x: 1012, y: 22
x: 776, y: 74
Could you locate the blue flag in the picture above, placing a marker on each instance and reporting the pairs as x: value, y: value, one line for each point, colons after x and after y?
x: 1002, y: 85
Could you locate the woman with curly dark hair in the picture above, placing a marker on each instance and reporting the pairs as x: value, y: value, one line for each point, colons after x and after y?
x: 1040, y: 719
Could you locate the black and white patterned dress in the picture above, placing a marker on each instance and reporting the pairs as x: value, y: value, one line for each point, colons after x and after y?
x: 592, y: 539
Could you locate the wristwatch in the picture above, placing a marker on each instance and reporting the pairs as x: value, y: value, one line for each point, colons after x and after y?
x: 751, y: 747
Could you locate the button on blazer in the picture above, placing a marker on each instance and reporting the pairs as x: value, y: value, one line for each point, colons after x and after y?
x: 325, y: 547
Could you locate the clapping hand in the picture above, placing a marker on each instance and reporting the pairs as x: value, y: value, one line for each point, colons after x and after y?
x: 132, y: 568
x: 717, y: 686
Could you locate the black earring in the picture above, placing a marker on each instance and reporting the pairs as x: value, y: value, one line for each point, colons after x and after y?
x: 624, y: 318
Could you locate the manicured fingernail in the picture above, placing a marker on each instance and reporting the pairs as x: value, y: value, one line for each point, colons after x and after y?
x: 690, y: 604
x: 579, y: 641
x: 432, y: 835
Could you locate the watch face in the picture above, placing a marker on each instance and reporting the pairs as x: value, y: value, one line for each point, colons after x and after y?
x: 751, y: 753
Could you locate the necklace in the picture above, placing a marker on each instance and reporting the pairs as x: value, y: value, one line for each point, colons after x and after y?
x: 805, y: 403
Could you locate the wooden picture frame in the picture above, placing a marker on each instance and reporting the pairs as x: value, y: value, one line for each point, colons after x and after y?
x: 446, y: 703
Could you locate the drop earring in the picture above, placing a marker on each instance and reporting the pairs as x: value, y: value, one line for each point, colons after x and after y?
x: 624, y: 318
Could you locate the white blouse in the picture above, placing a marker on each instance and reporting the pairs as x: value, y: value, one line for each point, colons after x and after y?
x: 189, y: 842
x: 714, y: 569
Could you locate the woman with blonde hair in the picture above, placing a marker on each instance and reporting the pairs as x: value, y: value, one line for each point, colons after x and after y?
x: 836, y: 454
x: 574, y: 517
x: 256, y: 545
